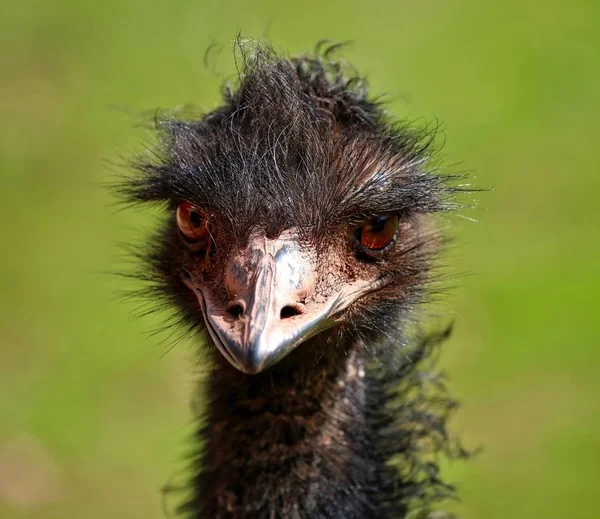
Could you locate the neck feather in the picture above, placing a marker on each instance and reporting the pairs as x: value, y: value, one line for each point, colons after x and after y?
x: 313, y: 437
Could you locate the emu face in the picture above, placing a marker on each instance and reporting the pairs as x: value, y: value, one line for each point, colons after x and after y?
x: 295, y: 208
x: 264, y: 296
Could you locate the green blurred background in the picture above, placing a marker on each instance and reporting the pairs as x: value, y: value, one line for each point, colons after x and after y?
x: 94, y: 416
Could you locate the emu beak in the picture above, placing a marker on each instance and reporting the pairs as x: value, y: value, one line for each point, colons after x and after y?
x: 270, y: 284
x: 267, y: 317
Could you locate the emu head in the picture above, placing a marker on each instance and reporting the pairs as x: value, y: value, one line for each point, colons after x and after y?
x: 295, y: 210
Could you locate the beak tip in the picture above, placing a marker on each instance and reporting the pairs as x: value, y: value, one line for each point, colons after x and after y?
x: 249, y: 360
x: 249, y: 369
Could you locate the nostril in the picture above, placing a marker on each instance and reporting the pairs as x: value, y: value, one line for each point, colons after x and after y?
x: 236, y: 310
x: 289, y: 311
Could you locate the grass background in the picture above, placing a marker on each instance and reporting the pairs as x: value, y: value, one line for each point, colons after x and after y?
x: 94, y: 418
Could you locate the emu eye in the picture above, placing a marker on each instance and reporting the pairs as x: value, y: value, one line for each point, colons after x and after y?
x: 192, y: 222
x: 379, y: 232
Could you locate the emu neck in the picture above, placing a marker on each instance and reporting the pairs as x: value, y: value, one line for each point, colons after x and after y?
x: 296, y: 441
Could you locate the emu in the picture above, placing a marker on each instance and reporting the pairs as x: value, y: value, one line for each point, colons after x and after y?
x: 298, y: 242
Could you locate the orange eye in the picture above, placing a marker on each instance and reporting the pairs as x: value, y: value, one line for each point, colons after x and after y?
x: 379, y: 232
x: 192, y: 222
